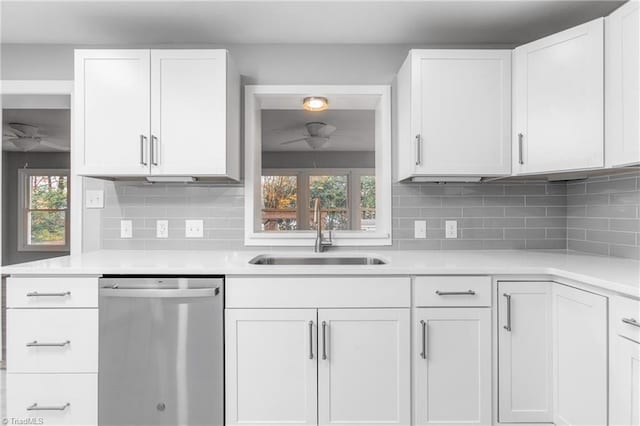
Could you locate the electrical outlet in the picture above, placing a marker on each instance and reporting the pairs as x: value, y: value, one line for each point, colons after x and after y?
x: 94, y: 199
x: 126, y: 229
x: 162, y: 229
x: 193, y: 229
x: 420, y: 229
x: 451, y: 229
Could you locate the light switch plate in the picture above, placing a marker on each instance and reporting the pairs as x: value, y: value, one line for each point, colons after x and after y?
x: 451, y: 229
x: 126, y: 229
x: 420, y: 229
x: 94, y: 199
x: 193, y: 228
x: 162, y: 229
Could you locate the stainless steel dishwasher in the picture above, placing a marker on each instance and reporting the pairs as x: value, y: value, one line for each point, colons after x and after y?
x: 161, y: 351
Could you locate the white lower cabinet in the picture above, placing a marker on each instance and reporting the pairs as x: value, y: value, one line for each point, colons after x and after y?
x: 271, y: 366
x: 364, y: 367
x: 625, y: 382
x: 524, y: 352
x: 326, y: 366
x: 580, y: 357
x: 452, y: 366
x: 52, y: 399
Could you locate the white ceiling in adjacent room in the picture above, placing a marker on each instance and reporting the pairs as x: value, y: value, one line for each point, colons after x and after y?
x: 355, y: 129
x: 505, y: 23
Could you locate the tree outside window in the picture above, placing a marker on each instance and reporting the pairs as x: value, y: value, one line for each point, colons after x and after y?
x: 43, y: 217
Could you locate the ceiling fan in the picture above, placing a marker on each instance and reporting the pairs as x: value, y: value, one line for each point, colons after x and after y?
x: 25, y: 137
x: 319, y: 135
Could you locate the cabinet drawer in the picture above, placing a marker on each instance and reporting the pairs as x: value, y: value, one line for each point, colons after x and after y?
x: 60, y: 399
x: 625, y: 317
x: 452, y: 291
x: 52, y: 340
x: 52, y: 292
x: 317, y: 292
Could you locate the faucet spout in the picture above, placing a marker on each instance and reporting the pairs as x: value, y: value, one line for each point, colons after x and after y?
x: 320, y: 244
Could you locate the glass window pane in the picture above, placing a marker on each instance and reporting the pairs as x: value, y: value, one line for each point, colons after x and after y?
x: 334, y: 201
x: 368, y: 203
x: 48, y: 192
x: 47, y: 228
x: 279, y: 203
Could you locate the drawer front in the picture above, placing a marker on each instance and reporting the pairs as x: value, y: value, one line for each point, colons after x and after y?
x: 626, y: 317
x: 52, y: 292
x: 317, y: 292
x: 60, y: 399
x: 52, y: 340
x: 452, y: 291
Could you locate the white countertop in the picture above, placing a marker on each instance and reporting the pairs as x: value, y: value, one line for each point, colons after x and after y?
x: 614, y: 274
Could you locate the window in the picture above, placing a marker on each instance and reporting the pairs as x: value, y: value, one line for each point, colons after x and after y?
x: 43, y: 215
x: 347, y: 199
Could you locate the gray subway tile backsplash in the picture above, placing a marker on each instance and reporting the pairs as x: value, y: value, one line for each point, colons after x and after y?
x: 597, y: 215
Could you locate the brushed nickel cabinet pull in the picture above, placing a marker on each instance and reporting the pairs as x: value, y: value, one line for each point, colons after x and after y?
x: 36, y: 344
x: 456, y: 293
x: 423, y: 326
x: 631, y: 321
x: 36, y: 407
x: 520, y: 148
x: 324, y: 340
x: 310, y: 339
x: 418, y: 150
x: 508, y: 326
x: 155, y: 147
x: 143, y: 143
x: 37, y: 294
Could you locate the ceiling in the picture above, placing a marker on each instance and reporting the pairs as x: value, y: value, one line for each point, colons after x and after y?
x: 418, y: 22
x: 53, y: 123
x: 355, y: 129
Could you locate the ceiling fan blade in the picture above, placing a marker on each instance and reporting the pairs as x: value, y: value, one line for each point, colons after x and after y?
x: 11, y: 132
x: 293, y: 141
x: 326, y: 130
x: 25, y: 129
x: 53, y: 146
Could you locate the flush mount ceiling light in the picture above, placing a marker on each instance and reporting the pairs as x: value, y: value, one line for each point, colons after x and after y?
x: 315, y: 103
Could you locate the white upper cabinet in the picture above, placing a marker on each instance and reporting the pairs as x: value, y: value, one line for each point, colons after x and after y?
x: 558, y: 95
x: 525, y: 387
x: 112, y: 112
x: 622, y: 86
x: 157, y: 112
x: 454, y: 115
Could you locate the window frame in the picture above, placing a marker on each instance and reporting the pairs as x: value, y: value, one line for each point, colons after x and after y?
x: 376, y: 98
x: 24, y: 175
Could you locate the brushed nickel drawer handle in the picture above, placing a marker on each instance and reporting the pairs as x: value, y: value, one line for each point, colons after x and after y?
x: 36, y: 344
x: 310, y: 339
x: 456, y: 293
x: 37, y: 294
x: 36, y: 407
x: 631, y: 321
x: 324, y: 340
x: 520, y: 148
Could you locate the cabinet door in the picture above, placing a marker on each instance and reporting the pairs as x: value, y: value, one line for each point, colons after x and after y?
x: 188, y: 122
x: 625, y: 382
x: 559, y: 101
x: 112, y: 112
x: 524, y: 352
x: 271, y: 366
x: 622, y: 86
x: 452, y: 366
x: 580, y: 357
x: 363, y: 372
x: 461, y: 111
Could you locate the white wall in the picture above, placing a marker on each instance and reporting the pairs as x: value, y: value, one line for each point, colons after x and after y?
x: 259, y: 64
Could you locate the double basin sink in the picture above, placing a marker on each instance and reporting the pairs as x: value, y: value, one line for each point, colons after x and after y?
x: 316, y: 260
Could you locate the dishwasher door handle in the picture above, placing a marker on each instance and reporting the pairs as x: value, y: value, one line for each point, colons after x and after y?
x: 159, y: 293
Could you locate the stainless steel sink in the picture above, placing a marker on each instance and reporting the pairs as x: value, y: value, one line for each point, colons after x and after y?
x: 316, y: 260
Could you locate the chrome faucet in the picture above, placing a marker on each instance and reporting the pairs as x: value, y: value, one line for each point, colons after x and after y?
x: 320, y: 244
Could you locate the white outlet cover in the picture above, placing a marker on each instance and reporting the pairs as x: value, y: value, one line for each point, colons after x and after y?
x: 94, y: 199
x: 194, y: 228
x: 126, y: 229
x: 420, y: 229
x: 451, y: 229
x: 162, y: 229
